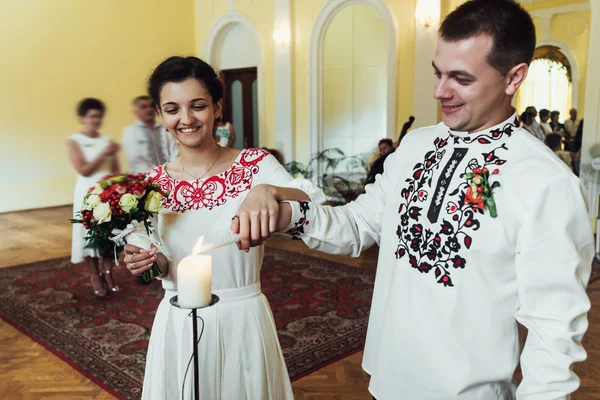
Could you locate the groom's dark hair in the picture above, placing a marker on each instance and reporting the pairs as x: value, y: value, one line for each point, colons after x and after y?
x: 508, y: 24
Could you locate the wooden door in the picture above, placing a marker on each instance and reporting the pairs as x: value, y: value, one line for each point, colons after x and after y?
x: 240, y: 105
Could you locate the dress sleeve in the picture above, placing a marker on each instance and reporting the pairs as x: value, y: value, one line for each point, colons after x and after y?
x: 273, y: 173
x: 554, y: 254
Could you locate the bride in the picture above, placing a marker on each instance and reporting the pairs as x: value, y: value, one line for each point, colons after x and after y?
x: 240, y: 355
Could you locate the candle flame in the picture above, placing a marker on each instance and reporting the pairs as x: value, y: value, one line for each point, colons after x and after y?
x: 203, y: 246
x: 199, y: 247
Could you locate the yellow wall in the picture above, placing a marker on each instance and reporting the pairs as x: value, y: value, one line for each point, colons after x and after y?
x: 305, y: 14
x: 56, y: 52
x: 541, y: 4
x: 559, y: 29
x: 354, y: 81
x: 572, y: 29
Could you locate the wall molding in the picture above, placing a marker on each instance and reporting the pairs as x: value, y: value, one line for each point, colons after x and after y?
x: 212, y: 41
x: 544, y: 12
x: 564, y: 48
x: 326, y: 15
x: 284, y: 129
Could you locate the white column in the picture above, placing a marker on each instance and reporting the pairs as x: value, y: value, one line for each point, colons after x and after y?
x: 283, y: 79
x: 591, y: 126
x: 425, y: 106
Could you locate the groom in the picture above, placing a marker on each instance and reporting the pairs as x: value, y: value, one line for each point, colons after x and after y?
x: 480, y: 226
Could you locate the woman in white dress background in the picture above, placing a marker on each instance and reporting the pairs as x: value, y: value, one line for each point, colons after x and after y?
x: 93, y: 157
x: 240, y: 355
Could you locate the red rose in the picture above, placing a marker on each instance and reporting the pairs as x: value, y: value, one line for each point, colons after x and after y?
x: 474, y: 198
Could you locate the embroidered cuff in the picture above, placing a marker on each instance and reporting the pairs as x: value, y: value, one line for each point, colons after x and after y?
x: 301, y: 218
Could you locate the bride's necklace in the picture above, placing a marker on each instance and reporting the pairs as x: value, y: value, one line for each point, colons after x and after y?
x: 209, y: 168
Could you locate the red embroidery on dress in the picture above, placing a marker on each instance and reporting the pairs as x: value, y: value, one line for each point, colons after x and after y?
x: 211, y: 192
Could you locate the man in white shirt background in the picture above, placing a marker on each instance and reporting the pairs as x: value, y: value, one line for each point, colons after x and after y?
x: 147, y: 144
x: 479, y: 227
x: 571, y: 126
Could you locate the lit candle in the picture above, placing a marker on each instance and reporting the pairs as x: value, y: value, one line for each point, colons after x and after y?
x: 194, y: 281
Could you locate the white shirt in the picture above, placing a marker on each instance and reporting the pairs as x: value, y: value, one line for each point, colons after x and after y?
x: 571, y: 127
x: 546, y: 127
x: 538, y: 131
x: 147, y: 148
x: 452, y: 281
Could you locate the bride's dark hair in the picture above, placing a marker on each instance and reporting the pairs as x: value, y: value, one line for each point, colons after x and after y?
x: 178, y: 69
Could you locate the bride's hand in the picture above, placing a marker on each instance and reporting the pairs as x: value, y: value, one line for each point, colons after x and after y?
x: 138, y: 260
x: 256, y: 218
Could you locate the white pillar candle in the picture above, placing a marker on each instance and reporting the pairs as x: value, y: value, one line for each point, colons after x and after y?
x: 194, y: 281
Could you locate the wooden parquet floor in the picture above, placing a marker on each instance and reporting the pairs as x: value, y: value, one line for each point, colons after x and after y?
x: 29, y: 371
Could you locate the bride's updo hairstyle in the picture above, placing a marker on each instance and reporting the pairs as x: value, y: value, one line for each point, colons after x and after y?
x: 179, y: 69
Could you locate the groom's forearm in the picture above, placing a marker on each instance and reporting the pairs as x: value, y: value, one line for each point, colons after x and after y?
x: 283, y: 194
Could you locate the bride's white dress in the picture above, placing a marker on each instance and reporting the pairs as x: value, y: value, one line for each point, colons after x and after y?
x: 239, y: 353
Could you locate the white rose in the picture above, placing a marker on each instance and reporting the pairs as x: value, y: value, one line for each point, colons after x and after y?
x: 128, y: 202
x: 153, y: 202
x: 93, y: 200
x: 102, y: 213
x: 97, y: 190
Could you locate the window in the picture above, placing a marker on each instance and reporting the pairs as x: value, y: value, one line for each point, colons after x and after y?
x: 548, y: 84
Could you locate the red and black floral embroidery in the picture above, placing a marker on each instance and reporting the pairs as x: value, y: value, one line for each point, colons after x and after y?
x: 298, y: 230
x: 214, y: 191
x: 490, y: 136
x: 439, y: 251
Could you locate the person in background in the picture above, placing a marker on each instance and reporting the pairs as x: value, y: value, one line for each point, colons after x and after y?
x: 571, y: 124
x: 538, y: 132
x: 570, y: 127
x: 556, y: 126
x: 554, y: 141
x: 544, y: 117
x: 93, y: 155
x: 224, y: 133
x: 404, y: 130
x: 527, y: 122
x: 386, y: 147
x: 577, y: 142
x: 146, y: 143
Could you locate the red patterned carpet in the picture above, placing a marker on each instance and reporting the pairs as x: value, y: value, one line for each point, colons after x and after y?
x: 320, y: 309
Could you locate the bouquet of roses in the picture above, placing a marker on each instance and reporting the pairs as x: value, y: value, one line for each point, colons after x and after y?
x: 120, y: 207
